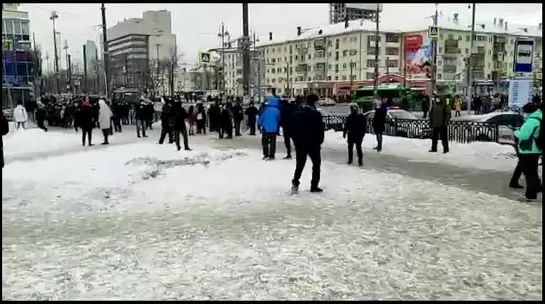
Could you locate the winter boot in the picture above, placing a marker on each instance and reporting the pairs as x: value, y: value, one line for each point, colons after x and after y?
x: 316, y: 189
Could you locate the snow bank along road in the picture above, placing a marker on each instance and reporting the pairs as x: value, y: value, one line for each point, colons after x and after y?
x: 141, y: 221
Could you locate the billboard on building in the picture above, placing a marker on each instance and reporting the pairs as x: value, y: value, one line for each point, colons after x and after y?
x: 417, y: 55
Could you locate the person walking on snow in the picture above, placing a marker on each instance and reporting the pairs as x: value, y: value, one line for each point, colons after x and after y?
x: 269, y: 122
x: 530, y: 146
x: 84, y: 119
x: 200, y: 119
x: 355, y: 127
x: 308, y: 133
x: 251, y: 112
x: 238, y: 117
x: 40, y: 117
x: 20, y: 115
x: 379, y: 121
x: 167, y: 121
x: 104, y: 119
x: 439, y: 119
x: 180, y: 115
x: 141, y: 113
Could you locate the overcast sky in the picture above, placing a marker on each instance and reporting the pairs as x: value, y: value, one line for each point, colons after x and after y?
x: 196, y: 25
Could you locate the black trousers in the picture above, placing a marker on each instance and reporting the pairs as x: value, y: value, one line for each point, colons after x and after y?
x: 529, y: 164
x: 177, y: 133
x: 201, y: 126
x: 287, y: 143
x: 268, y: 141
x: 351, y: 143
x: 117, y: 124
x: 164, y: 131
x: 41, y: 125
x: 237, y: 127
x: 105, y: 134
x: 301, y: 153
x: 226, y: 130
x: 86, y: 133
x: 251, y: 125
x: 425, y: 112
x: 442, y: 131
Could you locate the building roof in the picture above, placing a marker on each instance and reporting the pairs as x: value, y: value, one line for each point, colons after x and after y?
x: 393, y: 26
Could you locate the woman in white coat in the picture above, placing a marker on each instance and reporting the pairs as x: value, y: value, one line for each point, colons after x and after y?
x: 20, y: 115
x: 104, y: 119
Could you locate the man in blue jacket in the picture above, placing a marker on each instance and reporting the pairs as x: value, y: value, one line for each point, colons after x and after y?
x: 269, y: 122
x: 530, y: 145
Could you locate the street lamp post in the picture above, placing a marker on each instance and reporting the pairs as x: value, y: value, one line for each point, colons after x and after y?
x: 470, y: 59
x: 377, y: 37
x: 222, y: 34
x: 54, y: 16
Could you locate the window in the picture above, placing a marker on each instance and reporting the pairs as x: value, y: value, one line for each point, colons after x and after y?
x: 329, y: 66
x: 25, y: 28
x: 353, y: 52
x: 370, y: 63
x: 467, y: 51
x: 467, y: 38
x: 337, y: 44
x: 369, y: 75
x: 489, y: 52
x: 344, y: 66
x: 285, y: 49
x: 329, y: 43
x: 372, y: 38
x: 371, y: 51
x: 439, y: 76
x: 354, y: 39
x: 392, y: 63
x: 9, y: 26
x: 336, y: 56
x: 336, y: 68
x: 345, y: 53
x: 343, y: 77
x: 459, y: 38
x: 17, y: 27
x: 309, y: 56
x: 392, y: 51
x: 354, y: 64
x: 336, y: 77
x: 440, y: 50
x: 450, y: 37
x: 273, y: 70
x: 272, y: 50
x: 392, y: 38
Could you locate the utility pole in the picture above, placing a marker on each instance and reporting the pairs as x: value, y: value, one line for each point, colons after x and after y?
x: 37, y: 68
x: 158, y: 70
x: 288, y: 89
x: 434, y: 49
x: 245, y: 50
x: 69, y: 71
x: 65, y: 48
x: 54, y: 16
x: 377, y: 50
x: 85, y: 69
x: 351, y: 78
x: 106, y: 56
x: 470, y: 59
x: 222, y: 35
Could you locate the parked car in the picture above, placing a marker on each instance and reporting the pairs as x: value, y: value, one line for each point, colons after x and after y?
x: 508, y: 122
x: 326, y: 102
x: 413, y: 130
x: 331, y: 122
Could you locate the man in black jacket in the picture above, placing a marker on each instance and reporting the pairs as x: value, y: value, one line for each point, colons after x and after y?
x: 286, y: 113
x: 379, y: 121
x: 167, y: 122
x: 40, y: 117
x: 180, y: 115
x: 238, y: 117
x: 251, y: 112
x: 85, y: 120
x: 141, y: 118
x: 355, y: 127
x: 308, y: 135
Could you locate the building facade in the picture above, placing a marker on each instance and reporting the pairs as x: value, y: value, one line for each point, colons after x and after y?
x: 17, y: 56
x: 340, y: 12
x: 342, y: 55
x: 136, y: 47
x: 91, y: 55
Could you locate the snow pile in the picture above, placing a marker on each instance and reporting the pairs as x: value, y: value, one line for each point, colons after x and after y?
x: 221, y: 225
x: 482, y: 155
x: 21, y: 142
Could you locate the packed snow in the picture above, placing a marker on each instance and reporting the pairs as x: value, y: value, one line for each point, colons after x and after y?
x: 479, y: 155
x: 143, y: 221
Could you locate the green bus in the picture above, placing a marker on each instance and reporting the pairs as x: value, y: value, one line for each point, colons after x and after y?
x: 364, y: 95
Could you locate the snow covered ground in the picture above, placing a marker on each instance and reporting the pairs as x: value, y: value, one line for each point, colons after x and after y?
x: 142, y: 221
x: 480, y: 155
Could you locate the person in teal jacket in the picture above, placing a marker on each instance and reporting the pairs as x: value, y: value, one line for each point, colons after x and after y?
x: 529, y: 152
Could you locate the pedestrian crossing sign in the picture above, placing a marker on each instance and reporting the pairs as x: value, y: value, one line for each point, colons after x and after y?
x: 204, y: 57
x: 433, y: 31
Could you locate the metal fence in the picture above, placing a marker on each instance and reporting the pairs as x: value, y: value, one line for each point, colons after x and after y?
x: 459, y: 131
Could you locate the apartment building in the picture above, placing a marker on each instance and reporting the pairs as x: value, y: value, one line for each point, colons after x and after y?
x: 342, y: 55
x: 234, y: 84
x: 314, y: 59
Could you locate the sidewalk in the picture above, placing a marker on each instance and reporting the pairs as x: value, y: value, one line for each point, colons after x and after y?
x: 487, y: 181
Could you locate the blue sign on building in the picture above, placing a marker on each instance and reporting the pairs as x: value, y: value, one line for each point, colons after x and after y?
x: 524, y: 54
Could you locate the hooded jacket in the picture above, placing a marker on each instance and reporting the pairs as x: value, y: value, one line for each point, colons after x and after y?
x: 355, y: 126
x: 528, y: 133
x: 269, y: 119
x: 20, y: 114
x: 307, y: 127
x: 104, y: 115
x: 439, y: 115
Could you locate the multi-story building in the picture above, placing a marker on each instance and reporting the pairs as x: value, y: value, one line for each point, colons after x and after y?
x: 492, y: 55
x: 17, y: 56
x: 137, y: 45
x: 91, y: 55
x: 327, y: 60
x: 340, y: 12
x: 315, y: 59
x: 234, y: 84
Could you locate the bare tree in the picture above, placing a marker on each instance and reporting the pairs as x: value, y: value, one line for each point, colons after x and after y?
x: 171, y: 67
